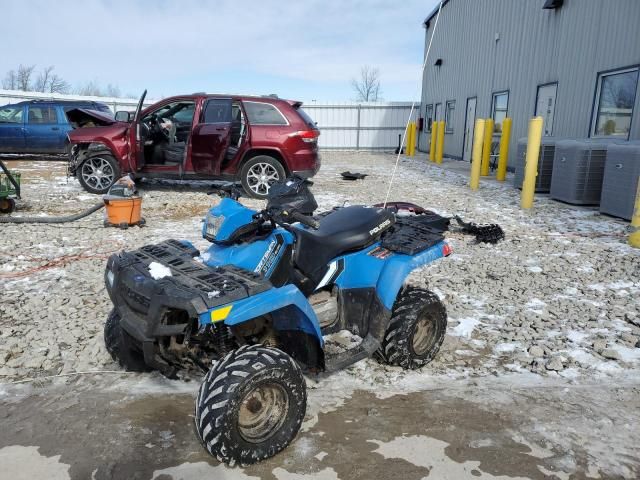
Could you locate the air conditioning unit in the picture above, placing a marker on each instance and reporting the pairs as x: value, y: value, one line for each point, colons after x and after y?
x: 578, y: 170
x: 545, y: 164
x: 621, y: 176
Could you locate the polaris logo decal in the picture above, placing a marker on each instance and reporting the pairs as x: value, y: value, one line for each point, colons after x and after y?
x: 270, y: 256
x: 380, y: 227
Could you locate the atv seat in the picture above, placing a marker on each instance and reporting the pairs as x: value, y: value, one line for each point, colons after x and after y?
x: 346, y: 229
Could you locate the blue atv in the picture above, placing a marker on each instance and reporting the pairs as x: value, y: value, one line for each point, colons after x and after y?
x: 252, y: 310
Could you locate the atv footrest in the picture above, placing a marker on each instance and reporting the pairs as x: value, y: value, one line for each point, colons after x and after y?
x: 365, y: 349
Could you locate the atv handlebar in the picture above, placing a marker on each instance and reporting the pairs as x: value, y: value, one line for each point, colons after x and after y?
x: 285, y: 218
x: 305, y: 220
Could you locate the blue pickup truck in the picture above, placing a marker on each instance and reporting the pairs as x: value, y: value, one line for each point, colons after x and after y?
x: 39, y: 126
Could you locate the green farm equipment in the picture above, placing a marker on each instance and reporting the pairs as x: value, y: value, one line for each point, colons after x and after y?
x: 9, y: 188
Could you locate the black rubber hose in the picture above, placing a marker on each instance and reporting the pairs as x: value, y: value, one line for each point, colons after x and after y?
x: 68, y: 218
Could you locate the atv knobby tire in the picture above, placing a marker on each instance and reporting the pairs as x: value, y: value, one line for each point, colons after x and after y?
x: 120, y: 345
x: 250, y: 405
x: 416, y: 330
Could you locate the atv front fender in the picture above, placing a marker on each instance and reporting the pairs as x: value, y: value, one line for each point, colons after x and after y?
x: 398, y: 267
x: 287, y: 306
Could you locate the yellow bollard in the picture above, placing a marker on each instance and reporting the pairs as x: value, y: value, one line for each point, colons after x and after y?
x: 531, y: 162
x: 414, y: 131
x: 634, y: 236
x: 434, y: 141
x: 440, y: 144
x: 410, y: 140
x: 486, y: 147
x: 476, y: 154
x: 407, y: 141
x: 503, y: 159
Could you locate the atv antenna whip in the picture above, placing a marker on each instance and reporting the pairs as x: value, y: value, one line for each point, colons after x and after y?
x: 413, y: 105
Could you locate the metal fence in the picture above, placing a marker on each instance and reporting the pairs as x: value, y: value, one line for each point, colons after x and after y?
x: 343, y: 126
x: 360, y: 126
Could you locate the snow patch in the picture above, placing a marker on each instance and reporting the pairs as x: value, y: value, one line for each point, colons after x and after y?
x: 465, y: 327
x: 159, y: 271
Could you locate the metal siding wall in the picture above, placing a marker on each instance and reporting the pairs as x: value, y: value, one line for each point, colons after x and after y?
x: 569, y: 45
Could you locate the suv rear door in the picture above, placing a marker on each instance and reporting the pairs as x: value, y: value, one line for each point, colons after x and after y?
x: 42, y: 129
x: 210, y: 137
x: 12, y: 128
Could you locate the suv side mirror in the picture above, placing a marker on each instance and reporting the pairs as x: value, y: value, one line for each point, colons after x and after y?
x: 123, y: 116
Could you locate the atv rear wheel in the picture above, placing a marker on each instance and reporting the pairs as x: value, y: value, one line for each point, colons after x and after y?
x: 250, y: 405
x: 120, y: 345
x: 416, y: 331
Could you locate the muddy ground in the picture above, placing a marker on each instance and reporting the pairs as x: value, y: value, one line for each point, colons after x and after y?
x: 537, y: 378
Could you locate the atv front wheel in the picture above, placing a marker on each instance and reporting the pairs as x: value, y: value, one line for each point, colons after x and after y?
x: 250, y: 405
x: 416, y: 331
x: 120, y: 345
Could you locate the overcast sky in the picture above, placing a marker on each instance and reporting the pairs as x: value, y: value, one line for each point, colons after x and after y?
x: 308, y: 50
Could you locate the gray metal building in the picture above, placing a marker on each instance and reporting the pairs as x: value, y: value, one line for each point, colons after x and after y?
x: 574, y: 62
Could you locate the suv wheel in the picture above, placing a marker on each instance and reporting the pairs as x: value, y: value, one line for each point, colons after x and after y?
x: 259, y: 173
x: 98, y: 173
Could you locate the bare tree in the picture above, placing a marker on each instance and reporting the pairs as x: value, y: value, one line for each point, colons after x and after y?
x: 367, y: 86
x: 44, y: 78
x: 58, y: 85
x: 10, y: 81
x: 90, y: 88
x: 24, y: 77
x: 93, y: 88
x: 112, y: 91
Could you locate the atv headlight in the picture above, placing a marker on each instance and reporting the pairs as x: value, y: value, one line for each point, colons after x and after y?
x: 212, y: 226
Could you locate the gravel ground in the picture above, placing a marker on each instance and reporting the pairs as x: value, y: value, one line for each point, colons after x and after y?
x: 558, y: 297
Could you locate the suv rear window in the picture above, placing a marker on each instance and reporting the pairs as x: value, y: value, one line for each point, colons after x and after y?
x: 307, y: 119
x: 264, y: 114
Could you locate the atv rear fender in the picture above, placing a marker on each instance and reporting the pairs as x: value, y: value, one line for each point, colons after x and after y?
x: 398, y: 267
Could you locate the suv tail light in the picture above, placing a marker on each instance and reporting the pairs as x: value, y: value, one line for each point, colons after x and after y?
x: 307, y: 136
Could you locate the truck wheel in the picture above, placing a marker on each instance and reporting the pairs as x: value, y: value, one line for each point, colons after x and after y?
x: 250, y: 405
x: 258, y: 174
x: 97, y: 173
x: 416, y: 331
x: 120, y: 345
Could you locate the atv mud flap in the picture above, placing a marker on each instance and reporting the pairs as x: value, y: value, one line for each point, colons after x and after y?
x: 156, y: 309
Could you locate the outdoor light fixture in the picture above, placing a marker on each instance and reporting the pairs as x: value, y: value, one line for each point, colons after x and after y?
x: 438, y: 62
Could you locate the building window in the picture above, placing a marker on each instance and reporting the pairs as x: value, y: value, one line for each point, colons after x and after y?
x: 499, y: 110
x: 615, y: 96
x: 438, y: 113
x: 428, y: 116
x: 449, y: 110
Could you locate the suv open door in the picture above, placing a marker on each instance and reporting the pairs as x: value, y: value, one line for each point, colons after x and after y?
x: 211, y: 135
x: 137, y: 138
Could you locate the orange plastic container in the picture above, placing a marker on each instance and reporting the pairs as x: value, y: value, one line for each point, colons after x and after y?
x: 123, y: 211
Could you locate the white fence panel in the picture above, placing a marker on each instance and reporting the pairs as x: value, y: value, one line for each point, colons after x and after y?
x: 14, y: 96
x: 343, y: 126
x: 360, y: 126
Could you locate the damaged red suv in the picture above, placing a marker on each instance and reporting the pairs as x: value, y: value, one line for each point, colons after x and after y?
x: 256, y: 140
